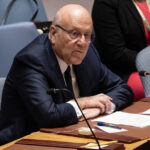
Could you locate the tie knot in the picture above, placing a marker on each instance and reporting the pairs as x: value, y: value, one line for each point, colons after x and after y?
x: 67, y: 70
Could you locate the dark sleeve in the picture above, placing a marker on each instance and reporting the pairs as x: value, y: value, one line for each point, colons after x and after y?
x: 110, y: 40
x: 31, y: 86
x: 111, y: 84
x: 116, y: 88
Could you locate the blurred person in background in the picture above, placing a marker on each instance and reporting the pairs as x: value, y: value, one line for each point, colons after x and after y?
x: 122, y: 30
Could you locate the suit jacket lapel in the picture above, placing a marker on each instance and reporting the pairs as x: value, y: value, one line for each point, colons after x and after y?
x: 59, y: 81
x: 135, y: 14
x: 56, y: 74
x: 81, y: 75
x: 53, y: 69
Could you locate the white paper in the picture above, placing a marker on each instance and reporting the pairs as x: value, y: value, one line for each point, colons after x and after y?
x: 147, y: 112
x: 110, y: 130
x: 123, y: 118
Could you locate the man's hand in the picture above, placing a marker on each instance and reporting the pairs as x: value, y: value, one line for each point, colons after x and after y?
x: 90, y: 113
x: 101, y: 101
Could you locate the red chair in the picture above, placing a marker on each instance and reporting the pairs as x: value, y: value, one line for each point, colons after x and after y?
x: 135, y: 83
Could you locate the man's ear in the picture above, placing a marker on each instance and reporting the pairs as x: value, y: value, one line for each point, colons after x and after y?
x: 52, y: 33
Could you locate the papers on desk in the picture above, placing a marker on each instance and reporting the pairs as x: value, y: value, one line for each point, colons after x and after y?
x: 123, y: 118
x: 147, y: 112
x: 110, y: 130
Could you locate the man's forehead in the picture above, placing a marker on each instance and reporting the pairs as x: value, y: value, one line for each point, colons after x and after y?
x: 81, y: 28
x: 77, y: 22
x: 78, y: 13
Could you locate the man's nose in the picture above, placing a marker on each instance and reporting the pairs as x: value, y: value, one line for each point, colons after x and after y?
x: 82, y: 38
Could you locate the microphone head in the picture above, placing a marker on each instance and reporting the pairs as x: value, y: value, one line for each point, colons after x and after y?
x: 143, y: 73
x: 53, y: 91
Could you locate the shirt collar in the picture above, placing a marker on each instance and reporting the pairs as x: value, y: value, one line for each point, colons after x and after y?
x: 62, y: 64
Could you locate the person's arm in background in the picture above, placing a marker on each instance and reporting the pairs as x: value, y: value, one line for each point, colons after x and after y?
x: 110, y: 38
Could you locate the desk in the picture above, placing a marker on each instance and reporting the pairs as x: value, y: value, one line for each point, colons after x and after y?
x: 55, y: 137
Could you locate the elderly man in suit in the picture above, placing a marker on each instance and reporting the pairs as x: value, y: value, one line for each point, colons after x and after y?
x: 43, y: 65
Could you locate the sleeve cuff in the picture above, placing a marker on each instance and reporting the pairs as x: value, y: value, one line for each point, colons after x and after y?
x: 77, y: 110
x: 112, y: 109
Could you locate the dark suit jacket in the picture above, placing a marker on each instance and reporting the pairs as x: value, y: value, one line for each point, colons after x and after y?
x: 26, y: 106
x: 119, y: 33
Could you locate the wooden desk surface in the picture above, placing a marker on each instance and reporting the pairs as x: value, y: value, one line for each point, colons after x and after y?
x: 55, y: 137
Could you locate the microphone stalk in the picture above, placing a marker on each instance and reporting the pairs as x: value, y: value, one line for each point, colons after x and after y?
x: 66, y: 90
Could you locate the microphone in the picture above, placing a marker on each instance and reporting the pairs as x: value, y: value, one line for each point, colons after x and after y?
x: 54, y: 91
x: 143, y: 73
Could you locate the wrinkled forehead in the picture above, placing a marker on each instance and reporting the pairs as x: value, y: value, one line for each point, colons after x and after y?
x: 76, y: 18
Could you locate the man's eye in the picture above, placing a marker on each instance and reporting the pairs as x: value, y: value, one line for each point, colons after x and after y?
x: 75, y: 34
x: 86, y: 35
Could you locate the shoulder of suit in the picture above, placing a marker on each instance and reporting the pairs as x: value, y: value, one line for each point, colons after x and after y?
x: 35, y: 50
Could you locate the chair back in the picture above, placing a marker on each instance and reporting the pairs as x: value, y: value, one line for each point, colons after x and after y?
x: 21, y: 10
x: 143, y: 64
x: 14, y: 37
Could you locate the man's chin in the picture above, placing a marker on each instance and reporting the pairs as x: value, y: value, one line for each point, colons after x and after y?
x: 76, y: 61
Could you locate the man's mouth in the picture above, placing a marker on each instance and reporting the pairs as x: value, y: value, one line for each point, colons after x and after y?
x: 77, y: 51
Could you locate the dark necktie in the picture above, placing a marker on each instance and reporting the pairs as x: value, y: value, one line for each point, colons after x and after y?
x: 68, y: 96
x: 68, y: 79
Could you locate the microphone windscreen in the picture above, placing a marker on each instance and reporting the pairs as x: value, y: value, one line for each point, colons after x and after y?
x: 53, y: 91
x: 50, y: 91
x: 143, y: 73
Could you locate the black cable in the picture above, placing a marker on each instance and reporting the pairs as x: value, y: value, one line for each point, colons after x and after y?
x: 66, y: 90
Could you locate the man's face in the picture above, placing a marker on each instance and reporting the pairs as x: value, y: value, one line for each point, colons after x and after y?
x: 70, y: 42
